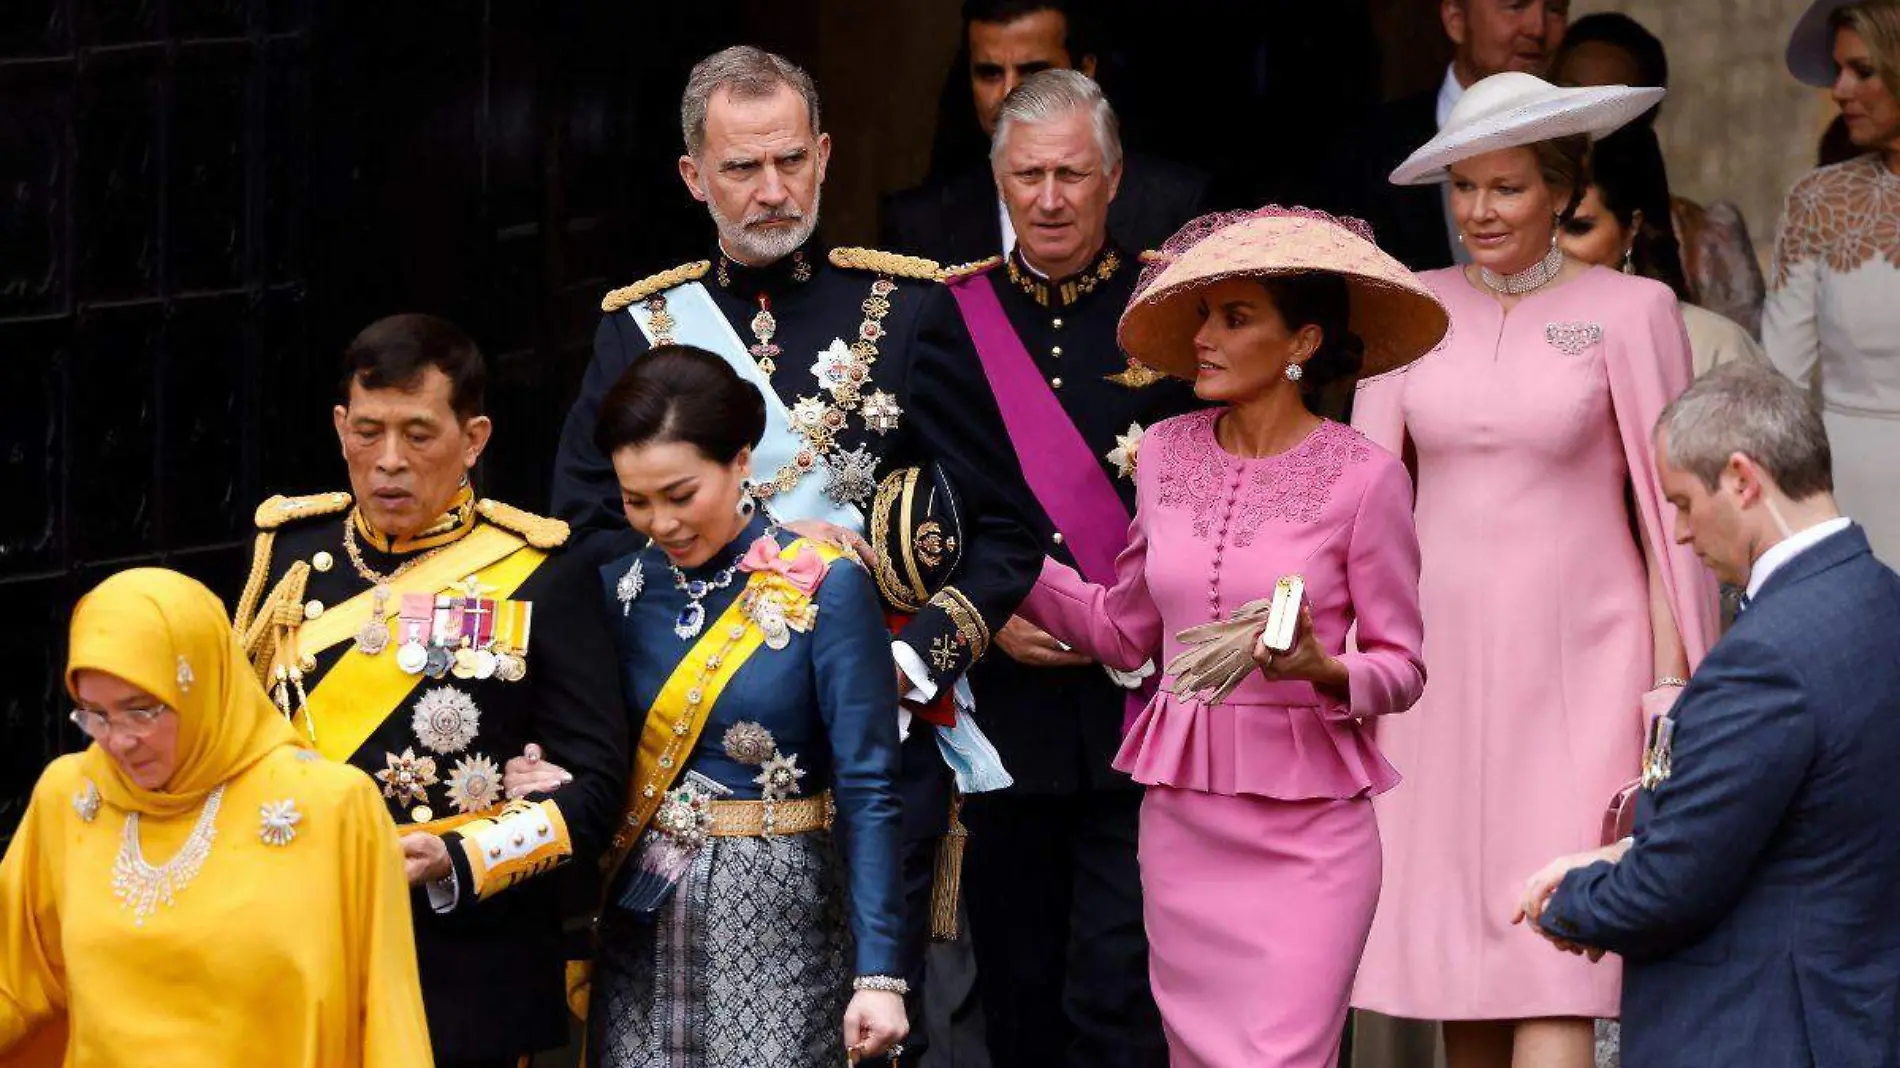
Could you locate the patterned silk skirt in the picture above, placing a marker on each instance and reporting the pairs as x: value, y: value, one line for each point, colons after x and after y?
x: 747, y: 964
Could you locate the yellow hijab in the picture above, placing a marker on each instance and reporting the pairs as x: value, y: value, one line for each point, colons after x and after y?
x: 169, y: 636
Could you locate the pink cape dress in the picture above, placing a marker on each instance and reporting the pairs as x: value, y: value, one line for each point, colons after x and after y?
x: 1530, y: 434
x: 1259, y: 847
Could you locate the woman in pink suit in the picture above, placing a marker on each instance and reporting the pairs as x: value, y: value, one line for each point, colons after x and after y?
x: 1558, y: 610
x: 1259, y: 850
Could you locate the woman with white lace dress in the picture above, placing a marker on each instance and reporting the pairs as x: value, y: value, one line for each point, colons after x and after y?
x: 1832, y: 320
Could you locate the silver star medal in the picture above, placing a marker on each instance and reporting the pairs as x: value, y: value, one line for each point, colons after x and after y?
x: 853, y: 476
x: 881, y: 412
x: 628, y: 588
x: 446, y: 720
x: 475, y: 784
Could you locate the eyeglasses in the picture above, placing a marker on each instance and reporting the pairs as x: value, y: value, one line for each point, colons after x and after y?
x: 136, y: 722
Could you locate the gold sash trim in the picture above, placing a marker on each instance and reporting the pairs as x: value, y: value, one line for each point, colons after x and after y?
x: 356, y: 695
x: 667, y: 738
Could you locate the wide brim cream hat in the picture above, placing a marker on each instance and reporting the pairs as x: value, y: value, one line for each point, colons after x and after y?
x: 1512, y: 110
x: 1811, y: 45
x: 1395, y: 315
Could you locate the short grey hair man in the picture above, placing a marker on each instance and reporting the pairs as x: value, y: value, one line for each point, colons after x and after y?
x: 746, y: 73
x: 1745, y: 408
x: 1051, y: 94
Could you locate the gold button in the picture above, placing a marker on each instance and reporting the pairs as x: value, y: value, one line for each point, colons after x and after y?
x: 1055, y: 383
x: 308, y: 664
x: 1056, y: 323
x: 1056, y: 351
x: 1058, y: 537
x: 323, y: 561
x: 313, y: 609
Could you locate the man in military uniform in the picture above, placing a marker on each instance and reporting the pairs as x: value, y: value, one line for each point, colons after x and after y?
x: 426, y: 636
x: 865, y: 368
x: 1052, y: 884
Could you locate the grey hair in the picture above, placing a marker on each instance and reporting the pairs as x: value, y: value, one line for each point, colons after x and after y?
x: 1050, y: 94
x: 1754, y: 410
x: 747, y: 73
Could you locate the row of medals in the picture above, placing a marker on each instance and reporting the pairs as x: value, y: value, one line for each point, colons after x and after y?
x: 437, y: 660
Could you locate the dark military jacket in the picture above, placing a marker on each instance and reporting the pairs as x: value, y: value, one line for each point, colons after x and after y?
x: 493, y: 963
x: 923, y: 400
x: 1058, y: 728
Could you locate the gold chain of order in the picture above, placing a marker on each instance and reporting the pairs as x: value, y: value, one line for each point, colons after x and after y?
x: 369, y: 574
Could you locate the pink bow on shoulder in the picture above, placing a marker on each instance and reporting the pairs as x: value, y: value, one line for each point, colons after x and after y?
x: 805, y: 570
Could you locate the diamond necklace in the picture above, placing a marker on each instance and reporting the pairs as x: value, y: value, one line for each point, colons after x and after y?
x: 142, y: 887
x: 1536, y: 276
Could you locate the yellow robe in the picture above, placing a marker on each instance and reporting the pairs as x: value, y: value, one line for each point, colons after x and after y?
x: 293, y: 956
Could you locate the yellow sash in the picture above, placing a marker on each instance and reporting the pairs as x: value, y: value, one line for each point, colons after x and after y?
x: 356, y: 695
x: 650, y: 781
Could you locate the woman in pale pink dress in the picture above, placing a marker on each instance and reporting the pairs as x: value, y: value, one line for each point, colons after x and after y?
x: 1259, y: 850
x: 1558, y: 609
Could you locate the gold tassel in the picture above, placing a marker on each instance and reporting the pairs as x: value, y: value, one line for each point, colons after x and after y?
x: 948, y: 882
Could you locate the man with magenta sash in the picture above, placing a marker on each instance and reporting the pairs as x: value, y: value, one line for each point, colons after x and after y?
x: 426, y: 636
x: 867, y: 374
x: 1050, y: 874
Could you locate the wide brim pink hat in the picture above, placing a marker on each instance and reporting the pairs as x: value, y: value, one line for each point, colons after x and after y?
x: 1395, y: 315
x: 1512, y: 110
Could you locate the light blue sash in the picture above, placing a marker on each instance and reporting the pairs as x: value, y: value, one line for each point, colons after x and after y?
x: 697, y: 321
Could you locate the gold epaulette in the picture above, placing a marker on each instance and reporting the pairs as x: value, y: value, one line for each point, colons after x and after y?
x: 653, y: 283
x: 541, y: 532
x: 967, y: 270
x: 878, y: 261
x: 279, y: 510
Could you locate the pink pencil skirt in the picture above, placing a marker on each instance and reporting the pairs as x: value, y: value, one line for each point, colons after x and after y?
x: 1257, y: 911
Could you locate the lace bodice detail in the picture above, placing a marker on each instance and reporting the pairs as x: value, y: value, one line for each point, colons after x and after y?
x: 1846, y: 215
x: 1196, y: 475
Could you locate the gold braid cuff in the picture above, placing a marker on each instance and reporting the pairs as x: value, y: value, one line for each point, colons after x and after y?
x: 686, y: 272
x: 878, y: 261
x: 966, y: 619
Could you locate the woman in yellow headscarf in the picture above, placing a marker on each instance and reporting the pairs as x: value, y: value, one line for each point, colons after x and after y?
x: 196, y: 888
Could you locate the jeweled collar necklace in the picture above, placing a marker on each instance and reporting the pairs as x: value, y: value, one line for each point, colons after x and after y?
x: 451, y: 526
x: 1065, y: 292
x: 1536, y: 276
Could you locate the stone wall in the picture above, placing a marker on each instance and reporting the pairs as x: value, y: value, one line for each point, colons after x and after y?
x: 1736, y: 126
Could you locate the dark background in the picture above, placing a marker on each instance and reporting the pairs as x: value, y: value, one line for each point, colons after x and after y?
x: 202, y: 200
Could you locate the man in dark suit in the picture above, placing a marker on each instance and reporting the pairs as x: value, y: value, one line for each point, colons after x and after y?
x: 1754, y: 907
x: 1411, y: 222
x: 959, y: 218
x: 1050, y: 873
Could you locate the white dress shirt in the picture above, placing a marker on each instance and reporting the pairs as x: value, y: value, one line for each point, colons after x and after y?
x: 1790, y: 547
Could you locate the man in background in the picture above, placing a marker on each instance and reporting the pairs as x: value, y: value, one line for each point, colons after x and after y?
x: 1414, y: 223
x: 959, y: 218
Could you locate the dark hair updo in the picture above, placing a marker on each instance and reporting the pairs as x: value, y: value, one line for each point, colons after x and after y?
x: 1324, y: 300
x: 681, y: 393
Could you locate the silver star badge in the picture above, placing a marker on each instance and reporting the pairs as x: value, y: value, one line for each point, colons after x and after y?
x: 881, y: 412
x: 853, y: 476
